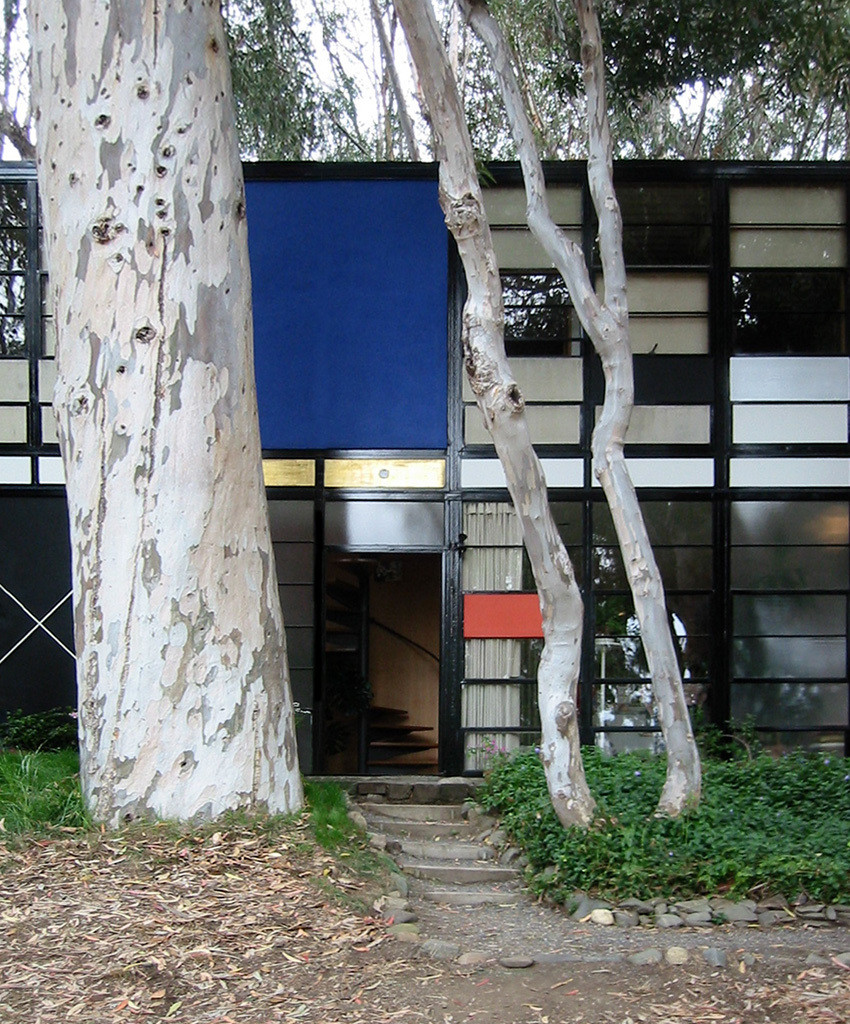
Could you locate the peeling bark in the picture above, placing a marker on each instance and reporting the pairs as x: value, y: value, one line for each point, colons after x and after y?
x: 184, y: 703
x: 501, y: 404
x: 606, y: 323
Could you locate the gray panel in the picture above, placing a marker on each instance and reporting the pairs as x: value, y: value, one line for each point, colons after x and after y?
x: 294, y: 562
x: 296, y: 602
x: 299, y: 646
x: 790, y: 522
x: 384, y: 524
x: 291, y: 520
x: 787, y: 568
x: 787, y: 615
x: 804, y: 704
x: 790, y: 657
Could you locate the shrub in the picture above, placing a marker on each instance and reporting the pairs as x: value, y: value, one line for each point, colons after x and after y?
x: 778, y: 826
x: 55, y: 729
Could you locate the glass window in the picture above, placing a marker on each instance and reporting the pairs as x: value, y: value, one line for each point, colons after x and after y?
x: 539, y: 317
x: 780, y: 311
x: 665, y: 225
x: 805, y: 705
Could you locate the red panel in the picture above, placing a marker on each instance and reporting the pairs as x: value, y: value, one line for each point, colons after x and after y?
x: 501, y: 616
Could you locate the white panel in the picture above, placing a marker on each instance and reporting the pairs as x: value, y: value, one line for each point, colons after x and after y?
x: 789, y: 378
x: 563, y: 472
x: 48, y: 426
x: 666, y: 336
x: 51, y: 470
x: 14, y: 380
x: 519, y: 250
x: 46, y: 380
x: 789, y: 424
x: 49, y: 335
x: 791, y: 247
x: 547, y: 424
x: 507, y: 205
x: 481, y: 473
x: 794, y: 204
x: 542, y: 379
x: 815, y: 472
x: 15, y: 470
x: 670, y: 472
x: 669, y: 424
x: 668, y: 293
x: 13, y: 425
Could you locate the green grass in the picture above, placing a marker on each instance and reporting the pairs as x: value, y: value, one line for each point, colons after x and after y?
x: 766, y: 826
x: 40, y: 790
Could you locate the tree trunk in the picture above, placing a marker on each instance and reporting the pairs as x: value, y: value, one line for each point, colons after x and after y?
x: 606, y: 323
x: 184, y: 703
x: 501, y: 403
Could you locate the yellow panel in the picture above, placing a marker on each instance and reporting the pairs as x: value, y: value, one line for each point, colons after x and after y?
x: 791, y: 204
x: 788, y: 247
x: 289, y: 472
x: 518, y: 249
x: 397, y: 474
x: 507, y: 205
x: 46, y: 380
x: 14, y: 380
x: 542, y: 379
x: 13, y: 424
x: 673, y: 335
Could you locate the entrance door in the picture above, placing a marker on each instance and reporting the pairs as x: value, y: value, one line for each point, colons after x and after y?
x: 382, y: 663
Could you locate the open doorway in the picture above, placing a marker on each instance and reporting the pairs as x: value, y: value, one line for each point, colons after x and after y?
x: 382, y: 663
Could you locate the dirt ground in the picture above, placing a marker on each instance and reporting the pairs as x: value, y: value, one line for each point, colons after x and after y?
x: 232, y: 927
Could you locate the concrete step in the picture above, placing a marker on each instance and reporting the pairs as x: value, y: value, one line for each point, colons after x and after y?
x: 441, y: 813
x: 457, y: 874
x: 397, y: 828
x: 431, y: 851
x: 415, y: 789
x: 470, y: 897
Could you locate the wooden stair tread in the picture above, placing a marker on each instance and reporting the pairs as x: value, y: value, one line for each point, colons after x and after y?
x: 390, y: 727
x: 404, y: 744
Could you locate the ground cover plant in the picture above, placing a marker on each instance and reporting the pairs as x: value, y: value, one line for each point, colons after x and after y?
x: 40, y: 790
x: 765, y: 826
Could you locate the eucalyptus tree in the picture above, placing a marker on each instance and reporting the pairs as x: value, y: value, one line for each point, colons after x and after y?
x: 184, y: 704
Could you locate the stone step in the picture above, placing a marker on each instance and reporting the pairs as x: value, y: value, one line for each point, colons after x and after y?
x: 470, y: 897
x: 425, y: 851
x: 441, y: 813
x: 397, y: 828
x: 458, y: 874
x: 417, y: 790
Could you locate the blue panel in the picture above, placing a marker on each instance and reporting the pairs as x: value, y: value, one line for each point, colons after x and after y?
x: 349, y: 288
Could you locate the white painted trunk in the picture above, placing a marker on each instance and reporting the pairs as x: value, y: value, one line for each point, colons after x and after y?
x: 606, y: 323
x: 184, y: 702
x: 501, y: 403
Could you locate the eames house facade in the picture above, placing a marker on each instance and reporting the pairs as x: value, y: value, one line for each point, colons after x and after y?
x: 413, y: 627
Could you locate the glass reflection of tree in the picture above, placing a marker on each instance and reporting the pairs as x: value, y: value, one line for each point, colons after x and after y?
x: 13, y: 259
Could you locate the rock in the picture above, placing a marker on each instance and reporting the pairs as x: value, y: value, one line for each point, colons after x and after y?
x: 601, y: 915
x: 748, y: 959
x: 659, y: 908
x: 676, y: 955
x: 393, y: 847
x: 769, y: 917
x: 389, y: 905
x: 626, y: 918
x: 638, y: 906
x: 669, y: 921
x: 701, y: 906
x: 587, y: 906
x: 647, y: 920
x: 399, y: 883
x: 357, y: 819
x: 511, y: 855
x: 473, y: 957
x: 646, y: 957
x: 700, y: 918
x: 816, y: 960
x: 401, y: 931
x: 514, y: 963
x: 377, y: 841
x: 403, y: 917
x: 498, y: 837
x: 738, y: 913
x: 437, y: 949
x: 843, y: 958
x: 772, y: 903
x: 831, y: 914
x: 714, y: 957
x: 453, y: 792
x: 425, y: 793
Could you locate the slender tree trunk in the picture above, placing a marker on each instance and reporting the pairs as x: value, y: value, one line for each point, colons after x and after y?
x: 502, y: 406
x: 398, y: 92
x: 184, y: 704
x: 607, y: 325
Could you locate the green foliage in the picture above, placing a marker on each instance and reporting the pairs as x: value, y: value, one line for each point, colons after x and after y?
x: 55, y: 729
x: 779, y: 826
x: 329, y: 815
x: 40, y: 790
